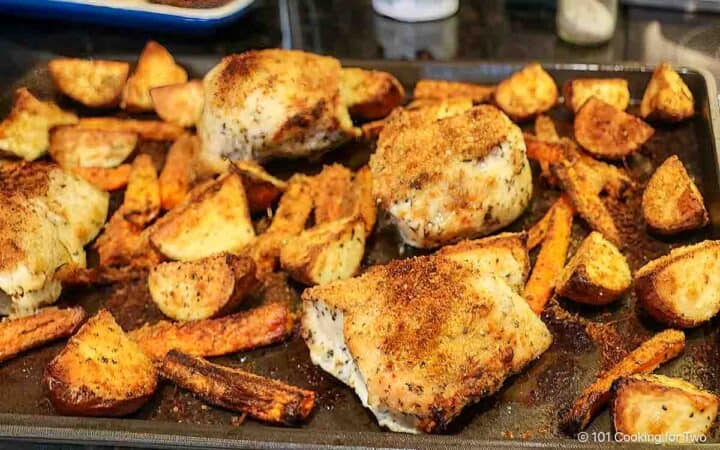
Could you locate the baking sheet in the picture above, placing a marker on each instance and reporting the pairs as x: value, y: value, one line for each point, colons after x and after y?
x: 525, y: 410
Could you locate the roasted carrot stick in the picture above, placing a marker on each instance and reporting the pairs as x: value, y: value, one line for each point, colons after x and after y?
x: 103, y: 178
x: 537, y: 232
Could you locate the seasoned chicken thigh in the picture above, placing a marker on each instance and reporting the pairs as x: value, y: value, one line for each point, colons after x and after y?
x: 272, y: 103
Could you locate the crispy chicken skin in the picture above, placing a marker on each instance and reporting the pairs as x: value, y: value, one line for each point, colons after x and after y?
x: 272, y: 103
x: 46, y: 216
x: 461, y: 176
x: 421, y: 338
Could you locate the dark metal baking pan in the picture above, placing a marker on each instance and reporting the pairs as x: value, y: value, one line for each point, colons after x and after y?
x: 523, y: 413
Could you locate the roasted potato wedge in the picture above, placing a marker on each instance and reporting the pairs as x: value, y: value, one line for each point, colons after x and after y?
x: 100, y: 372
x: 597, y: 274
x: 370, y: 94
x: 527, y: 93
x: 613, y: 91
x: 120, y: 242
x: 217, y: 220
x: 668, y: 409
x: 363, y: 201
x: 96, y: 83
x: 245, y: 330
x: 76, y: 147
x: 332, y: 191
x: 25, y: 132
x: 180, y: 103
x: 48, y: 324
x: 671, y: 203
x: 178, y: 173
x: 207, y: 287
x: 647, y: 357
x: 142, y: 196
x: 327, y: 252
x: 607, y: 132
x: 151, y: 130
x: 234, y: 389
x: 262, y: 188
x: 667, y: 97
x: 682, y: 289
x: 156, y: 67
x: 504, y: 255
x: 442, y: 90
x: 103, y: 178
x: 545, y: 129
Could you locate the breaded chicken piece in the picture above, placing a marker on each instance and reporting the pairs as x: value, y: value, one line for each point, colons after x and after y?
x: 421, y: 338
x: 272, y: 103
x: 47, y: 215
x: 447, y: 179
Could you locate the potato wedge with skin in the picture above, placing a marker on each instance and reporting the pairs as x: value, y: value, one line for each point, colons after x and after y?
x: 667, y: 98
x: 613, y: 91
x: 527, y: 93
x: 156, y: 67
x: 25, y: 132
x: 597, y: 274
x: 218, y: 220
x: 327, y: 252
x: 441, y: 90
x: 207, y: 287
x: 606, y: 132
x: 663, y: 407
x: 262, y: 189
x: 237, y: 332
x: 104, y: 178
x: 370, y: 94
x: 151, y: 130
x: 142, y: 196
x: 332, y: 191
x: 178, y: 173
x: 671, y: 203
x: 647, y: 357
x: 682, y: 289
x: 100, y: 372
x: 48, y: 324
x: 95, y: 83
x: 234, y: 389
x: 181, y: 103
x: 75, y: 147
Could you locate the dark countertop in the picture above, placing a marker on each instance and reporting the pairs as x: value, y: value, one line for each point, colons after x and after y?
x: 490, y: 30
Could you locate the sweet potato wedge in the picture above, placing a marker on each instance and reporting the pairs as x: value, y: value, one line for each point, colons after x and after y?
x: 216, y: 220
x: 76, y: 147
x: 100, y: 372
x: 25, y: 132
x: 95, y: 83
x: 234, y: 389
x: 180, y: 103
x: 245, y: 330
x: 441, y: 90
x: 104, y: 178
x: 141, y: 204
x: 527, y: 93
x: 156, y: 67
x: 607, y: 132
x: 682, y: 289
x: 671, y: 203
x: 178, y: 173
x: 332, y: 192
x: 327, y: 252
x: 151, y: 130
x: 370, y: 94
x: 644, y: 359
x: 551, y: 258
x: 262, y: 188
x: 207, y: 287
x: 667, y: 97
x: 667, y: 409
x: 613, y: 91
x: 48, y: 324
x: 597, y: 274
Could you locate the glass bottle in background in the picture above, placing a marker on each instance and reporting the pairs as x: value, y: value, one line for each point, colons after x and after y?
x: 586, y: 22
